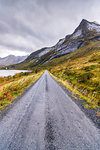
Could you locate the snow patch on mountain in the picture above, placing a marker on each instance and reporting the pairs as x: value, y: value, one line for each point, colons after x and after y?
x: 93, y: 26
x: 59, y: 43
x: 45, y: 51
x: 77, y: 34
x: 70, y: 47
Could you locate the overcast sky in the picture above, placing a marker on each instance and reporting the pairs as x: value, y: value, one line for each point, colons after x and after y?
x: 28, y: 25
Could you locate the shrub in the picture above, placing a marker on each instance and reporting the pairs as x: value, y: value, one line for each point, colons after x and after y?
x: 88, y: 68
x: 85, y: 77
x: 68, y: 72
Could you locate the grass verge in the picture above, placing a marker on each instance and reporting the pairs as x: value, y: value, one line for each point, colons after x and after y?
x: 76, y: 93
x: 80, y: 72
x: 93, y: 114
x: 12, y: 89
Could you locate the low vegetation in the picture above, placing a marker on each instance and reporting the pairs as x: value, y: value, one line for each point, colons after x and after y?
x: 80, y: 72
x: 12, y: 87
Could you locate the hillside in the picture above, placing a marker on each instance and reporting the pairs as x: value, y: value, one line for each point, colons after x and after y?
x: 80, y: 71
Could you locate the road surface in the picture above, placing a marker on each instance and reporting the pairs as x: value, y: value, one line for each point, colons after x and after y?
x: 45, y: 118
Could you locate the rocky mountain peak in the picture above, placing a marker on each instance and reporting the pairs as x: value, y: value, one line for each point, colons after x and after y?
x: 84, y: 22
x: 90, y: 26
x: 86, y: 29
x: 83, y: 26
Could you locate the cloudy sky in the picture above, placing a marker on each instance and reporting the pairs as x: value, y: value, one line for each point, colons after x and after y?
x: 28, y: 25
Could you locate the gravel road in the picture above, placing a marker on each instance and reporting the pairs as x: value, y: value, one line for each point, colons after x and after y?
x: 45, y: 118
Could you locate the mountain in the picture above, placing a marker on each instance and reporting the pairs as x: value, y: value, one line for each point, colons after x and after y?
x: 11, y: 59
x: 83, y: 34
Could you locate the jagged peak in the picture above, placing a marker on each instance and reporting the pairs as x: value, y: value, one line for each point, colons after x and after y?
x: 86, y: 25
x: 84, y: 28
x: 84, y: 21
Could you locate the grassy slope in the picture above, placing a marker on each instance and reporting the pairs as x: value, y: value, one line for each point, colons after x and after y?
x: 12, y: 87
x: 80, y: 71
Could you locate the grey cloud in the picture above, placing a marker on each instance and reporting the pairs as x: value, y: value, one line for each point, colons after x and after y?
x: 40, y: 23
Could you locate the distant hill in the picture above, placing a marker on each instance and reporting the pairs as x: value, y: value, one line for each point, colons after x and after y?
x: 11, y: 59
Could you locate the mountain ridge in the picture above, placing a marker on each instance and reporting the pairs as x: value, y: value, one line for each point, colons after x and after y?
x: 73, y: 45
x: 11, y: 59
x: 82, y: 35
